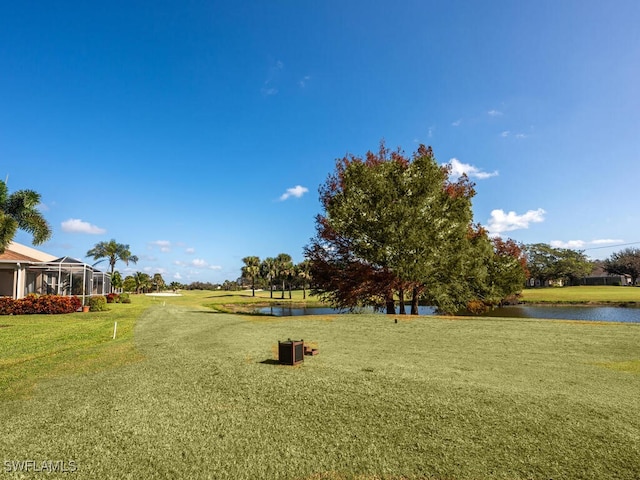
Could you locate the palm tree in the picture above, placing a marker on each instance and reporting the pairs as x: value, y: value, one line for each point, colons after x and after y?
x: 143, y: 281
x: 269, y: 271
x: 18, y: 211
x: 158, y: 281
x: 303, y: 269
x: 116, y: 281
x: 251, y: 269
x: 284, y: 267
x: 113, y: 251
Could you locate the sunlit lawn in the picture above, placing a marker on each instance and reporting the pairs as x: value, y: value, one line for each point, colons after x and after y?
x: 582, y: 294
x: 186, y: 392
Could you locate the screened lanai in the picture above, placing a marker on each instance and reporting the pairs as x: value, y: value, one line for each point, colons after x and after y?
x: 66, y: 276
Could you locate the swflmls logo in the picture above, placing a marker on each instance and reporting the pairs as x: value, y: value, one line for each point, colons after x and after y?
x: 46, y: 466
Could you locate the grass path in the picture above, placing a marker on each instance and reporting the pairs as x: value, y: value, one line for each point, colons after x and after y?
x: 426, y: 398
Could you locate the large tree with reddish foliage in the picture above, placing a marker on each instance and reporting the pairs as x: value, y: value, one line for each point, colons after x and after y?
x: 396, y: 227
x: 392, y: 225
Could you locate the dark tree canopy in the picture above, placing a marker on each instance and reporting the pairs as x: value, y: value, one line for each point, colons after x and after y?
x: 625, y: 262
x: 394, y: 225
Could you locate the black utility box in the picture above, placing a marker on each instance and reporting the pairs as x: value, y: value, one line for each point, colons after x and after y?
x: 291, y: 352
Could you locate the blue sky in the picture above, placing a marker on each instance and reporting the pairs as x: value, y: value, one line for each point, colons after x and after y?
x: 198, y: 132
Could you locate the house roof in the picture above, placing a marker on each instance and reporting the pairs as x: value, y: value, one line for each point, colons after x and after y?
x: 67, y: 260
x: 31, y: 253
x: 11, y: 256
x: 599, y: 271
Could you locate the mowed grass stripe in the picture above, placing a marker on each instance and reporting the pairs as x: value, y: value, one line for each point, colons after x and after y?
x: 427, y: 398
x: 37, y: 347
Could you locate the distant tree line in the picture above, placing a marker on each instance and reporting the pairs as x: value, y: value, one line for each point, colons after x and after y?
x: 272, y: 273
x: 547, y: 265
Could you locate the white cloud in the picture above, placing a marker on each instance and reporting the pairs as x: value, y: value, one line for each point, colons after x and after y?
x: 163, y: 245
x: 214, y: 267
x: 75, y: 225
x: 303, y: 82
x: 506, y: 222
x: 579, y: 244
x: 456, y: 123
x: 569, y: 244
x: 273, y: 74
x: 43, y: 207
x: 190, y: 250
x: 458, y: 168
x: 494, y: 113
x: 430, y: 132
x: 177, y: 276
x: 519, y: 136
x: 606, y: 241
x: 297, y: 191
x: 179, y: 263
x: 198, y: 262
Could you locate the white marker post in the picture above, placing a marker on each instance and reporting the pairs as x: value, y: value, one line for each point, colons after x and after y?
x: 115, y: 328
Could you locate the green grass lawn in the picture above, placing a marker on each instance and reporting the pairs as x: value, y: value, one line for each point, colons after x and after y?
x: 186, y: 392
x: 582, y: 294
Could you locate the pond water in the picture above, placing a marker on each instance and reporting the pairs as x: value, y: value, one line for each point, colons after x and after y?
x: 588, y: 313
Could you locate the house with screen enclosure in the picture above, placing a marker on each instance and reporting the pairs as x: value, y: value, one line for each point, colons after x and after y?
x: 25, y: 270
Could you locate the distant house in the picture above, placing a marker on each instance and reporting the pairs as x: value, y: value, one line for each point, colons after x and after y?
x: 536, y: 282
x: 600, y: 277
x: 25, y: 270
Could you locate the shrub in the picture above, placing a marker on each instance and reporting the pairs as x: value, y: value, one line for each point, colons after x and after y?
x: 97, y: 304
x: 6, y: 305
x: 124, y: 298
x: 113, y: 298
x: 477, y: 307
x: 45, y: 304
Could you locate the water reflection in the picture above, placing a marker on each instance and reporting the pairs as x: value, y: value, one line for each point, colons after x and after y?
x: 588, y: 313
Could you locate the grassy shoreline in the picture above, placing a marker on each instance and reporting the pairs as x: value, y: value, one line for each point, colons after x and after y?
x: 582, y: 295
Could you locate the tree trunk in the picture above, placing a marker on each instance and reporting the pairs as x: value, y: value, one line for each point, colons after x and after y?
x: 289, y: 290
x: 401, y: 301
x: 282, y: 297
x: 414, y: 301
x: 391, y: 306
x: 253, y: 286
x: 304, y: 291
x: 271, y: 287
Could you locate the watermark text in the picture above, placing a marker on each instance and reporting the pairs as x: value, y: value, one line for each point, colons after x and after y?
x: 44, y: 466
